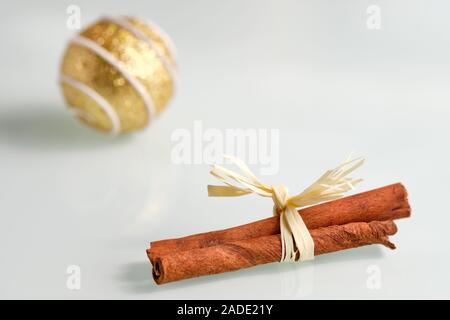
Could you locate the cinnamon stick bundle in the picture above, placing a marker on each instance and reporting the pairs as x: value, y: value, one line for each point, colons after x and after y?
x: 358, y: 220
x: 247, y: 253
x: 385, y: 203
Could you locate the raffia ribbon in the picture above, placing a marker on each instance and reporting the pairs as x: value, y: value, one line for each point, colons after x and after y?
x: 297, y: 243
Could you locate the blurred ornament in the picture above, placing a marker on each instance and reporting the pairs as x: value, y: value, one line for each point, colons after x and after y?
x: 118, y: 73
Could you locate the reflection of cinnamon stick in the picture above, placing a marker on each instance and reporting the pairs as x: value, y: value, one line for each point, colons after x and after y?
x: 386, y: 203
x: 240, y: 254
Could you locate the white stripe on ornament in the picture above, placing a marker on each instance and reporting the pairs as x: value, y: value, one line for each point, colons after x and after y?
x: 134, y: 82
x: 98, y: 98
x: 163, y: 35
x: 123, y: 23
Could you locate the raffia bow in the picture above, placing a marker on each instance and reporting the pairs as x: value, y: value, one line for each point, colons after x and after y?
x: 297, y: 244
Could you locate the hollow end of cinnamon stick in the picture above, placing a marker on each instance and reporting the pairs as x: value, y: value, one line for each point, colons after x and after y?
x: 156, y: 272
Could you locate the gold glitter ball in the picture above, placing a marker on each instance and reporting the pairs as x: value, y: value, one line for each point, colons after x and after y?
x: 118, y: 73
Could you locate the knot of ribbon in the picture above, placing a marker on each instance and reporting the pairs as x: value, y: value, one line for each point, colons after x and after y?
x: 296, y: 241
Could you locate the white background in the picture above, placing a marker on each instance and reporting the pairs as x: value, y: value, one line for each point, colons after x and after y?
x: 71, y: 196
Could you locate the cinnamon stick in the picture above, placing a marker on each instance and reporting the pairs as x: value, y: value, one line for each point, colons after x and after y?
x: 386, y: 203
x: 247, y: 253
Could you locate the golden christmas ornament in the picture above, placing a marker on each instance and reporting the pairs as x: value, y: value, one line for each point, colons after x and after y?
x: 118, y: 73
